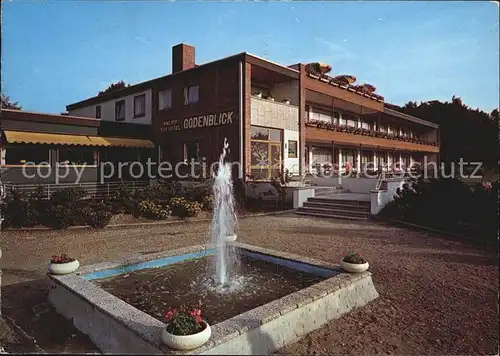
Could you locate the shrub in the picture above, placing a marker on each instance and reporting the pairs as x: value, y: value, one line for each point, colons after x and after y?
x: 67, y: 196
x: 208, y: 202
x: 99, y: 218
x: 153, y: 211
x: 184, y: 208
x: 16, y: 211
x: 59, y: 217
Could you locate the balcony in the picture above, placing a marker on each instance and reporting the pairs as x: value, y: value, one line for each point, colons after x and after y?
x: 268, y: 113
x: 324, y: 131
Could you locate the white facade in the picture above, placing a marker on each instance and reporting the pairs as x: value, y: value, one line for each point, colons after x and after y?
x: 108, y: 109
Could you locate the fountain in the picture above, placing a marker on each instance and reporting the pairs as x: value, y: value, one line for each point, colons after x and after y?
x: 255, y: 299
x: 224, y: 221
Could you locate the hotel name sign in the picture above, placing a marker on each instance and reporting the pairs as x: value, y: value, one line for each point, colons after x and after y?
x: 208, y: 120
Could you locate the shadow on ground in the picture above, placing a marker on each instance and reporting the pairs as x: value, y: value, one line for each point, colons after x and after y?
x: 26, y: 303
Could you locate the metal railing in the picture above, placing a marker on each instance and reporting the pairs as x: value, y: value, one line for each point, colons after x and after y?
x: 93, y: 190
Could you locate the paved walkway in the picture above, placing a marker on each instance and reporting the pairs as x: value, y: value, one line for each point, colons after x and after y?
x: 437, y: 296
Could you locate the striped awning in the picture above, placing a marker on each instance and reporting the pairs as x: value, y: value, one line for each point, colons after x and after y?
x: 60, y: 139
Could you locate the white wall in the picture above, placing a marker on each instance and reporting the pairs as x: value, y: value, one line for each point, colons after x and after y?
x: 292, y: 164
x: 108, y: 109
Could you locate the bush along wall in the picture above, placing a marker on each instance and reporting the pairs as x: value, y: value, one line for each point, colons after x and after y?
x: 448, y: 204
x: 72, y: 206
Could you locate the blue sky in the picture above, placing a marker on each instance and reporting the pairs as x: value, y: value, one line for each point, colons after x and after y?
x: 57, y: 53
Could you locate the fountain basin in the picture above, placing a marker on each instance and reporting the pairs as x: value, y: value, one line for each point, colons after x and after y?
x: 118, y: 327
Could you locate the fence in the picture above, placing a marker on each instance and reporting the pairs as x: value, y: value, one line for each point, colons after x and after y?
x: 95, y: 190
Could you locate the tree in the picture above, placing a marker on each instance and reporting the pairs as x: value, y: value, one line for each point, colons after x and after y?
x: 114, y: 87
x: 8, y: 104
x: 464, y: 132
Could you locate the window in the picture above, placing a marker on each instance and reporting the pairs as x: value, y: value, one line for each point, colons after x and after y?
x: 191, y: 94
x: 266, y: 161
x: 120, y: 110
x: 20, y: 155
x: 140, y: 105
x: 292, y: 149
x: 77, y: 156
x: 365, y: 125
x: 191, y: 151
x: 165, y: 99
x: 98, y: 112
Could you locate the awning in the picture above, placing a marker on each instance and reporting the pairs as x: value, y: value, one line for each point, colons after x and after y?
x: 121, y: 142
x: 46, y: 138
x: 58, y: 139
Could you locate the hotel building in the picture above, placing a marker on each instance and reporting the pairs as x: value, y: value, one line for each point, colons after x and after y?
x: 275, y: 117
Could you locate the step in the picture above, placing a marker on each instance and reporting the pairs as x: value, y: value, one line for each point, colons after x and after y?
x: 330, y: 193
x: 330, y: 216
x: 340, y: 201
x: 328, y: 205
x: 342, y: 212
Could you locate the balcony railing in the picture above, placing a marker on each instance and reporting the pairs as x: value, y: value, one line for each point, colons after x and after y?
x: 367, y: 132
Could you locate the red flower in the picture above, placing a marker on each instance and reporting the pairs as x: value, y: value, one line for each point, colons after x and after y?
x: 197, y: 318
x: 170, y: 314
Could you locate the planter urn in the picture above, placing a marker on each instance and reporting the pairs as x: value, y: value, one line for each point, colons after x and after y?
x: 354, y: 267
x: 63, y: 268
x: 187, y: 342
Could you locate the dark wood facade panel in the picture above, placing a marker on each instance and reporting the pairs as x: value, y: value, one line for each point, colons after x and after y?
x: 320, y: 135
x: 218, y: 94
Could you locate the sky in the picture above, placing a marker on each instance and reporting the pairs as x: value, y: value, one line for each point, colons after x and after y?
x: 55, y: 53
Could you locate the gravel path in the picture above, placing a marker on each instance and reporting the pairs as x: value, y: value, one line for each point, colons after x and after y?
x: 437, y: 296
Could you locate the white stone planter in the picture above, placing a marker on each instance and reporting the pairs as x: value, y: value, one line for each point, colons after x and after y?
x: 231, y: 238
x: 64, y: 268
x: 187, y: 342
x: 354, y: 267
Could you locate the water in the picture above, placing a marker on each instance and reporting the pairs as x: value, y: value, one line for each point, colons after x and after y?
x: 224, y: 223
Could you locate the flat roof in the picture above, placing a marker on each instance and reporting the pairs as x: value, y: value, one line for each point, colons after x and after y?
x: 21, y: 115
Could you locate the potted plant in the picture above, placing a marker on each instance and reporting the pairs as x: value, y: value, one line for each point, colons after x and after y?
x: 63, y: 264
x: 286, y: 101
x: 270, y: 97
x: 258, y: 94
x: 353, y: 263
x: 231, y: 238
x: 185, y: 330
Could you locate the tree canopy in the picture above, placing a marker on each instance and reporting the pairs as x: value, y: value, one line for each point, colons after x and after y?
x: 466, y: 133
x: 114, y: 87
x: 7, y: 103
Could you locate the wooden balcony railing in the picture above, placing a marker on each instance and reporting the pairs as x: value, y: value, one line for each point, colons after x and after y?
x: 368, y: 132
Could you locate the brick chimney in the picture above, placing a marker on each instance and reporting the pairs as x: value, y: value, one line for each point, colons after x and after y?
x: 182, y: 57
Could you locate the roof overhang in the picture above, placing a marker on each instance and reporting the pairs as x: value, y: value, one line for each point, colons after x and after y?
x: 414, y: 119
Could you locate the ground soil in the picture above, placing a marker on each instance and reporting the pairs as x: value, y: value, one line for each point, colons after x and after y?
x: 437, y: 295
x: 257, y: 283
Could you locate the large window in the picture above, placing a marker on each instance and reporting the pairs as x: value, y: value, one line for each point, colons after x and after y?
x: 191, y: 151
x: 120, y: 110
x: 266, y: 158
x: 29, y: 154
x: 191, y: 94
x: 77, y: 156
x: 98, y: 112
x: 165, y: 99
x: 140, y: 105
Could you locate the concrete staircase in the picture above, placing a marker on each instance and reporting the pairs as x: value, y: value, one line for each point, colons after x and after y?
x: 336, y: 208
